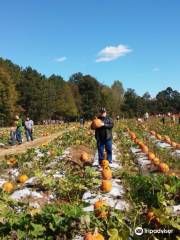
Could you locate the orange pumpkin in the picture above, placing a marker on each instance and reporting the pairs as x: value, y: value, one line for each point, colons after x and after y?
x: 99, y: 208
x: 167, y: 139
x: 133, y: 135
x: 158, y: 136
x: 11, y: 161
x: 106, y: 185
x: 84, y: 156
x: 150, y: 215
x: 22, y: 178
x: 145, y: 149
x: 107, y: 173
x: 178, y: 146
x: 105, y: 163
x: 95, y: 236
x: 173, y: 144
x: 8, y: 187
x: 156, y: 161
x: 163, y: 167
x: 137, y: 141
x: 96, y: 123
x: 151, y: 156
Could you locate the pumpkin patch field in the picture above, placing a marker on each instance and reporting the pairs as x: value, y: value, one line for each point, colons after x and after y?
x: 57, y: 190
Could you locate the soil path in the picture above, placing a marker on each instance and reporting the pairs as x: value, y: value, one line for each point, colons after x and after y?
x: 26, y: 145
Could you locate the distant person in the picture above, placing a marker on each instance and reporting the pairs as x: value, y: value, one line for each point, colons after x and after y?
x: 163, y: 119
x: 29, y: 129
x: 140, y: 120
x: 12, y: 136
x: 81, y: 121
x: 103, y: 136
x: 117, y: 118
x: 146, y: 116
x: 19, y: 128
x: 173, y: 118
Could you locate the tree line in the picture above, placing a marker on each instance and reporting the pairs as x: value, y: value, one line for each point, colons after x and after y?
x: 28, y: 92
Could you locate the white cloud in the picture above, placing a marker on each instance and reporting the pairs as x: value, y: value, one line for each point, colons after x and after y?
x: 111, y: 53
x: 60, y: 59
x: 156, y: 69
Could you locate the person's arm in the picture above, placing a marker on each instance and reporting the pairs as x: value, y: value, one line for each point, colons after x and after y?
x: 109, y: 124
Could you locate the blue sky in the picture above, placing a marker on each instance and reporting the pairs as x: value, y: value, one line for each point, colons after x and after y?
x: 135, y: 41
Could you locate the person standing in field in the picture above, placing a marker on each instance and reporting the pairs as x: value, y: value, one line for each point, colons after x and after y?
x: 146, y: 116
x: 19, y: 128
x: 81, y: 121
x: 103, y: 136
x: 29, y: 129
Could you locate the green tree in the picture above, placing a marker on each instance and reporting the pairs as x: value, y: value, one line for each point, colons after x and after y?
x: 8, y: 97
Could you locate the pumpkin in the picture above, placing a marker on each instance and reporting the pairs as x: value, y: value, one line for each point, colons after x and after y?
x: 172, y: 174
x: 173, y: 144
x: 11, y: 161
x: 151, y: 156
x: 137, y: 141
x: 156, y: 161
x: 167, y: 139
x: 8, y: 187
x: 84, y: 156
x: 95, y: 236
x: 107, y: 173
x: 178, y: 146
x: 133, y: 135
x: 106, y: 185
x: 163, y: 167
x: 158, y: 136
x: 145, y: 149
x: 105, y: 163
x: 22, y: 178
x: 96, y: 123
x: 99, y: 208
x: 150, y: 215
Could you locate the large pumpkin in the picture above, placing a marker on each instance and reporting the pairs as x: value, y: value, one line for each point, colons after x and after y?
x: 106, y: 185
x: 96, y: 123
x: 105, y: 163
x: 163, y: 167
x: 22, y: 178
x: 95, y: 236
x: 84, y: 156
x: 151, y: 156
x: 107, y: 173
x: 8, y: 187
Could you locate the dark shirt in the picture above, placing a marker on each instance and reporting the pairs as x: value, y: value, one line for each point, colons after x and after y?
x: 104, y: 132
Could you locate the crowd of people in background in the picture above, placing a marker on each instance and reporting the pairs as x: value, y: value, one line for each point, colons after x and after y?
x: 26, y: 126
x: 51, y: 122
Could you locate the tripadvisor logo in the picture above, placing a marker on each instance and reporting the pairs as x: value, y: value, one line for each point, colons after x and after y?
x: 138, y: 231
